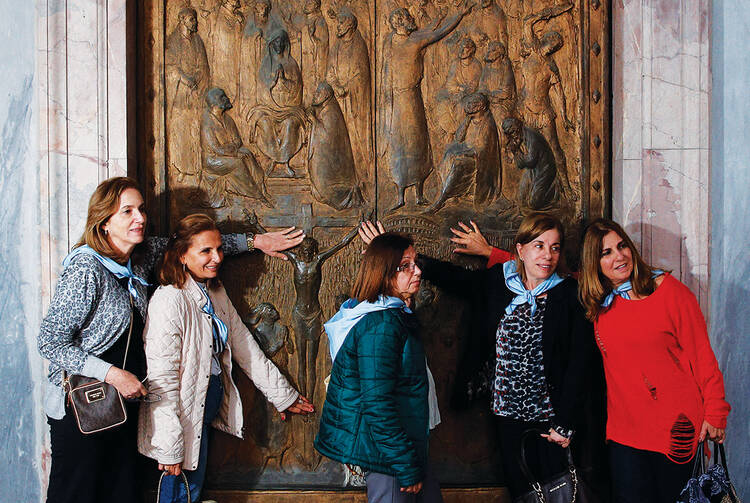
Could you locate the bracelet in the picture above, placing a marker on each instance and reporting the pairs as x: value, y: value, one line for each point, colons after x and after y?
x: 250, y: 241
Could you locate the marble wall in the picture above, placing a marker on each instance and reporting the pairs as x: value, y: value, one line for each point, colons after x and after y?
x: 660, y: 179
x: 21, y: 372
x: 730, y: 225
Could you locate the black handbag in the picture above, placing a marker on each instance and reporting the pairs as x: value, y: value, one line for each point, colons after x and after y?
x: 565, y: 487
x: 709, y: 484
x: 97, y: 405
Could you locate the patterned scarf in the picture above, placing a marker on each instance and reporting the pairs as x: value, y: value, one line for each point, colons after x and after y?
x: 220, y: 331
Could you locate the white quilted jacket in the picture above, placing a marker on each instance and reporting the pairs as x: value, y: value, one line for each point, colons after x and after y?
x: 177, y: 339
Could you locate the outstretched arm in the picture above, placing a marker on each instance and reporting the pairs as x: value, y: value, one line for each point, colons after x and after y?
x: 345, y: 241
x: 428, y: 37
x: 543, y: 15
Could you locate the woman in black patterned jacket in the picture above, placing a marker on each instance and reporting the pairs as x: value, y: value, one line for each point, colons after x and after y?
x: 100, y: 298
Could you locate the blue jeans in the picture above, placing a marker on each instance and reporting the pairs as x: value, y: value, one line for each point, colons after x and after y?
x: 172, y: 487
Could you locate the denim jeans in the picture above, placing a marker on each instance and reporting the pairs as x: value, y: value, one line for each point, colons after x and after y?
x: 172, y: 487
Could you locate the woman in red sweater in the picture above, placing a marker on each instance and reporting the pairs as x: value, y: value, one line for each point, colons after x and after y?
x: 665, y: 392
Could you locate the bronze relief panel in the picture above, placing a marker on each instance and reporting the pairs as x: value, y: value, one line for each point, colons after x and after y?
x: 316, y: 114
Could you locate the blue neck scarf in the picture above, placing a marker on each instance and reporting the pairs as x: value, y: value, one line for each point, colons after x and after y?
x: 623, y: 290
x: 523, y: 296
x: 120, y: 271
x: 220, y: 331
x: 350, y: 313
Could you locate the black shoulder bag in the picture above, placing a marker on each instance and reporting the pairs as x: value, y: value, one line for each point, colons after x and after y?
x: 565, y: 487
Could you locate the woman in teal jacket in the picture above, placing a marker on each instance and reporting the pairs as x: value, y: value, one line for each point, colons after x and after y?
x: 376, y: 413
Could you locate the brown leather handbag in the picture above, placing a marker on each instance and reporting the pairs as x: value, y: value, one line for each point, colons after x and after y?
x: 97, y: 405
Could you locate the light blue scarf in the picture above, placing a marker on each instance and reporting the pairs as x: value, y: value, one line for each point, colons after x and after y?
x: 220, y: 331
x: 523, y: 296
x: 623, y: 290
x: 350, y: 313
x: 120, y: 271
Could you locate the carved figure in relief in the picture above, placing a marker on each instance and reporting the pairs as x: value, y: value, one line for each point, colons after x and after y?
x: 188, y: 76
x: 498, y: 82
x: 537, y: 190
x: 265, y: 325
x: 225, y: 24
x: 314, y: 48
x: 333, y: 178
x: 252, y: 49
x: 349, y: 76
x: 423, y: 12
x: 278, y: 122
x: 541, y: 77
x: 228, y: 167
x: 463, y: 79
x: 404, y: 123
x: 307, y: 314
x: 489, y: 24
x: 472, y: 161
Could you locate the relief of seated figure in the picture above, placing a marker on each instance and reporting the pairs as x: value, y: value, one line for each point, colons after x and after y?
x: 471, y: 164
x: 277, y: 123
x: 228, y: 167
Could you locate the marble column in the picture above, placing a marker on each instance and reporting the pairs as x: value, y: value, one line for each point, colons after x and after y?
x: 660, y: 178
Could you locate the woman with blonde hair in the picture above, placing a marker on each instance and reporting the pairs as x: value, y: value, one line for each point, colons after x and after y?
x: 94, y: 320
x: 530, y: 334
x: 192, y: 336
x: 665, y: 392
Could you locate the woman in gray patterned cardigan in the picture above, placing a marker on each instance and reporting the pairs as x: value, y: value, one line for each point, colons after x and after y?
x: 101, y: 292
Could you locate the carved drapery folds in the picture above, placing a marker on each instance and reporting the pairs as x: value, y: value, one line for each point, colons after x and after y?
x: 314, y: 113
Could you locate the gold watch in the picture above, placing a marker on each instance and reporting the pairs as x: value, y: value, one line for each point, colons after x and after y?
x: 250, y: 241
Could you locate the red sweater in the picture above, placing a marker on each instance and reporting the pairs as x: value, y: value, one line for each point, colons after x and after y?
x: 662, y: 376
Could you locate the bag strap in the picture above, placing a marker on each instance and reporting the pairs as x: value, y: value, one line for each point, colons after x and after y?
x: 127, y: 346
x: 699, y: 465
x: 534, y: 432
x: 184, y: 481
x: 130, y: 331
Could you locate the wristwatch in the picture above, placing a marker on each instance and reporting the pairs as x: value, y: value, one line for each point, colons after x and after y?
x: 250, y: 241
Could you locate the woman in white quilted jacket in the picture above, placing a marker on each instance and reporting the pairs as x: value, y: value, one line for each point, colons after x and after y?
x: 192, y: 336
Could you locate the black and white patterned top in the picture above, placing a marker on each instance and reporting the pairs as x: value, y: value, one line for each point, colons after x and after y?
x: 89, y: 312
x: 520, y: 388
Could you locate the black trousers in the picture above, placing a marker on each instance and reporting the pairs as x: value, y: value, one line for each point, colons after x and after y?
x: 645, y: 476
x: 95, y: 468
x: 544, y: 458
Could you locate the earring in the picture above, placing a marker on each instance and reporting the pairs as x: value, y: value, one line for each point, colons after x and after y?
x: 106, y: 232
x: 183, y: 267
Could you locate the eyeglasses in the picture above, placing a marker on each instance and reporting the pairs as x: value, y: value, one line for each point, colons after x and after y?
x: 408, y: 267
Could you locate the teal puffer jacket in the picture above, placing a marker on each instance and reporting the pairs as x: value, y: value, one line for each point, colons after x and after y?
x: 376, y: 413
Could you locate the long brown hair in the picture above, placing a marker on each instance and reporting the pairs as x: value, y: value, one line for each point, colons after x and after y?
x: 379, y: 266
x: 172, y: 272
x: 533, y: 226
x: 593, y: 285
x: 104, y: 202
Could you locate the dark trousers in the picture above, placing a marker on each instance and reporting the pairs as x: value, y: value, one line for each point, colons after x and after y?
x: 383, y: 488
x: 93, y: 468
x: 544, y: 458
x: 645, y: 476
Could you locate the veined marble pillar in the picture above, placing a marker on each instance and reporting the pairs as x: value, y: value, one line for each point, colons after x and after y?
x: 660, y: 178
